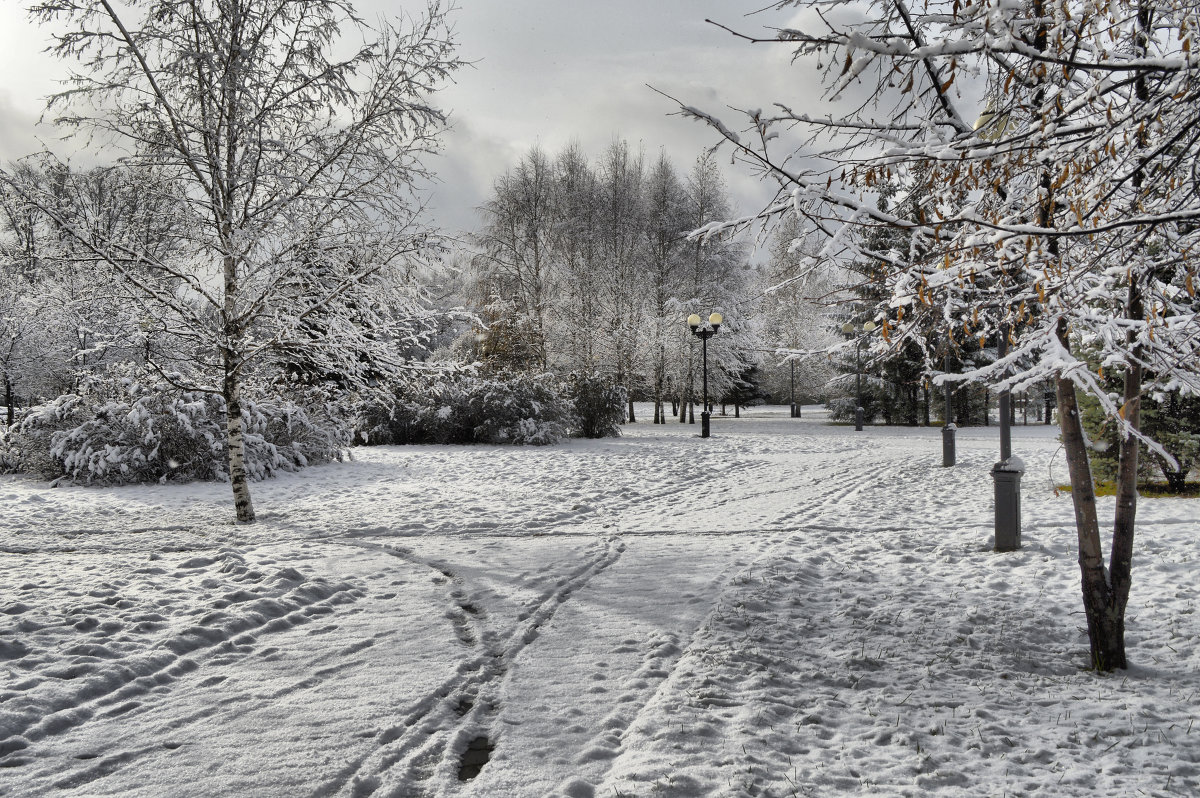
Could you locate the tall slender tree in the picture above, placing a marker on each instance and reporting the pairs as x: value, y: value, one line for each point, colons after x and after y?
x: 267, y: 140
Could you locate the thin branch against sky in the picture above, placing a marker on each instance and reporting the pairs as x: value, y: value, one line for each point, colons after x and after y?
x: 545, y: 73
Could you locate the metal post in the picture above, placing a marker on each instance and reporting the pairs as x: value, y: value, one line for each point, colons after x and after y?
x: 948, y: 450
x: 1008, y: 504
x: 1007, y: 474
x: 858, y: 408
x: 794, y: 413
x: 704, y: 416
x: 1005, y: 429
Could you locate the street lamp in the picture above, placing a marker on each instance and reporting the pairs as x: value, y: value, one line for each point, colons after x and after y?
x: 850, y: 329
x: 704, y: 333
x: 948, y: 452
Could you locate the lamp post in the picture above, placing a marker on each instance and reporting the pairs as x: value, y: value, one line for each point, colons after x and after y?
x: 948, y: 451
x: 704, y: 333
x: 850, y: 329
x: 795, y: 407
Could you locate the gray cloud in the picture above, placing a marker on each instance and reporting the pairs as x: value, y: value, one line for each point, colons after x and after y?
x: 550, y: 72
x: 17, y: 130
x: 547, y: 72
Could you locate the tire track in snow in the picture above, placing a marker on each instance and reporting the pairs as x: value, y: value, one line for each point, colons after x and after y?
x: 466, y: 615
x: 426, y: 743
x: 610, y: 511
x: 659, y: 668
x: 72, y: 700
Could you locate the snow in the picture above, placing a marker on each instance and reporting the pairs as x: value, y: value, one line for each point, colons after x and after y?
x: 786, y: 608
x: 1013, y: 463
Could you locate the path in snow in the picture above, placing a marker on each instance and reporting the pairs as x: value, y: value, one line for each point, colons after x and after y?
x: 787, y: 608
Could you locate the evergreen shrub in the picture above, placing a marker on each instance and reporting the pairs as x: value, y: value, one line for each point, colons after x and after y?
x: 599, y: 406
x: 515, y: 409
x: 117, y: 431
x: 1171, y: 419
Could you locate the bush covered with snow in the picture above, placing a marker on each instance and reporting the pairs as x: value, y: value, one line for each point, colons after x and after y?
x: 599, y: 406
x: 516, y: 409
x: 117, y: 430
x: 842, y: 408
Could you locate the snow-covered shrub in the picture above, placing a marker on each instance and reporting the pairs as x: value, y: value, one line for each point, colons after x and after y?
x: 519, y: 409
x: 512, y: 409
x: 12, y: 453
x: 433, y: 411
x: 282, y: 436
x: 599, y: 407
x: 841, y: 408
x: 117, y: 431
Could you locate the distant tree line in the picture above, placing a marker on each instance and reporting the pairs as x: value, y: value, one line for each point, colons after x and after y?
x: 589, y: 267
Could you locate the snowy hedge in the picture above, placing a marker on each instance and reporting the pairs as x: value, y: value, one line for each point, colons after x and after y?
x: 520, y: 409
x: 119, y: 431
x: 516, y: 409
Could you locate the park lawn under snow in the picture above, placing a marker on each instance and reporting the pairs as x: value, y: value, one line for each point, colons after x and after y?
x: 786, y: 608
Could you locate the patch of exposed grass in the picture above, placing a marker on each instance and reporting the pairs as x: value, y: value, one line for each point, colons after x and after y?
x: 1147, y: 490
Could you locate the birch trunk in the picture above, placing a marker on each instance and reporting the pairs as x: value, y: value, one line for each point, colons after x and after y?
x: 231, y: 389
x: 1121, y: 558
x: 1105, y: 636
x: 234, y: 434
x: 10, y: 416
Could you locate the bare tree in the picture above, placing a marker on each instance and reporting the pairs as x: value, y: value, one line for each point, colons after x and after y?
x: 517, y: 247
x: 667, y: 250
x: 268, y: 145
x: 1061, y: 221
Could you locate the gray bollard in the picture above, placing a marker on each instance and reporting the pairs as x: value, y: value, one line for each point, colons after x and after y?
x: 1007, y: 477
x: 948, y: 453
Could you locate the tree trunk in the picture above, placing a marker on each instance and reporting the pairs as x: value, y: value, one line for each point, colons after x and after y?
x: 231, y: 389
x: 9, y: 402
x: 1120, y: 565
x: 658, y: 392
x: 1106, y: 637
x: 238, y: 479
x: 632, y: 417
x: 1176, y: 480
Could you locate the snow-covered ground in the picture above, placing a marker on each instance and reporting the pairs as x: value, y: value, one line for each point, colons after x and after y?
x: 787, y: 608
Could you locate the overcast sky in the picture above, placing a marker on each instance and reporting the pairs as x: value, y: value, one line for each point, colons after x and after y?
x: 546, y: 72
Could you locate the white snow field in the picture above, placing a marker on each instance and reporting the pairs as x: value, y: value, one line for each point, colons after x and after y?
x: 788, y: 608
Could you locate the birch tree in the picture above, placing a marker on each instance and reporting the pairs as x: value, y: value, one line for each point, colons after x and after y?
x: 517, y: 244
x: 274, y: 126
x: 715, y: 278
x: 666, y: 252
x: 621, y: 217
x: 1059, y: 148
